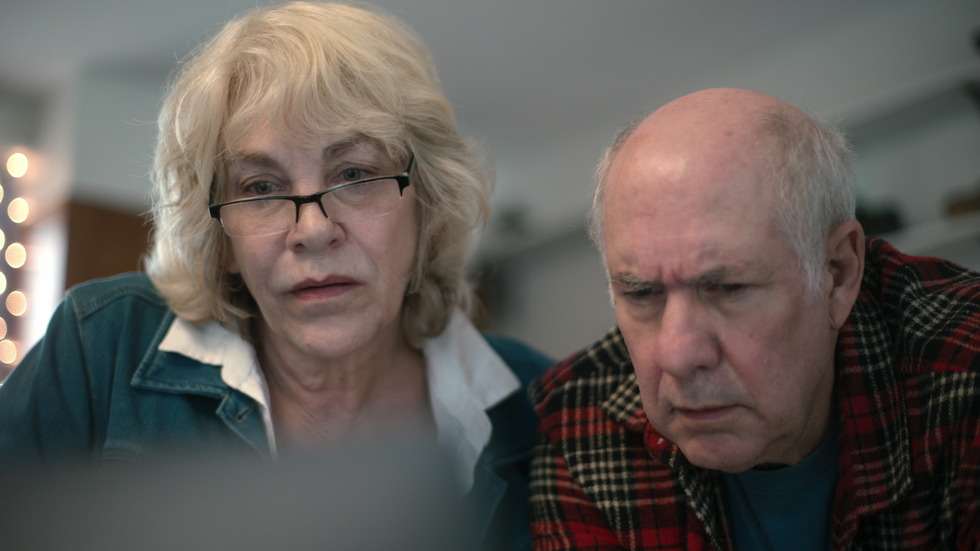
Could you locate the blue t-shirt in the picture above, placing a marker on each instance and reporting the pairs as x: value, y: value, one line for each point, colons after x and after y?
x: 787, y: 508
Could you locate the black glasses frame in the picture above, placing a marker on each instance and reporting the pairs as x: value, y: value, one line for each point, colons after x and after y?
x: 300, y: 200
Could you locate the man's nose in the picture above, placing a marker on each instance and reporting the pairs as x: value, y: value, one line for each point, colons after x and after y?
x: 686, y: 339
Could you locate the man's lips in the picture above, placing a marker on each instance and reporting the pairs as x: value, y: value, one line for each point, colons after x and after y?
x: 705, y: 413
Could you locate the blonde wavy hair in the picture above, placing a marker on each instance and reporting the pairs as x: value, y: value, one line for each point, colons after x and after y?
x: 311, y: 69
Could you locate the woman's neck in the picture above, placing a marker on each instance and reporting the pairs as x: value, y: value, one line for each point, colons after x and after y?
x: 316, y: 401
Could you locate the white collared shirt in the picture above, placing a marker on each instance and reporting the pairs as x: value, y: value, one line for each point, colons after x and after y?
x: 466, y: 378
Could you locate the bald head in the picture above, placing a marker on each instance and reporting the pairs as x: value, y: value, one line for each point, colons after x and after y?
x: 720, y: 117
x: 801, y: 169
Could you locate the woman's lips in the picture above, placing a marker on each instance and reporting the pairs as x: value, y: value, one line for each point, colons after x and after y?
x: 330, y: 287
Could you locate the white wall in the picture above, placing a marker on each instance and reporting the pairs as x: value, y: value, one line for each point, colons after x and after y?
x: 95, y: 141
x: 921, y: 167
x: 115, y: 135
x: 18, y: 118
x: 554, y: 295
x: 881, y: 60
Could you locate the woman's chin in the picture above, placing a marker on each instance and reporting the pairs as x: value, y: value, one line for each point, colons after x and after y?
x: 349, y: 339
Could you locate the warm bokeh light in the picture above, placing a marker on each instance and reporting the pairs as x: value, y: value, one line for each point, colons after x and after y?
x: 3, y: 239
x: 1, y: 193
x: 16, y: 303
x: 16, y: 255
x: 3, y: 328
x: 8, y: 352
x: 17, y: 210
x: 17, y: 165
x: 3, y: 287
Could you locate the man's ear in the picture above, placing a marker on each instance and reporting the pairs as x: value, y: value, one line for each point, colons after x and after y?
x: 845, y: 267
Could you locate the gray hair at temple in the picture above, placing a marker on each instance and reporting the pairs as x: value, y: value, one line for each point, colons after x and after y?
x: 810, y: 167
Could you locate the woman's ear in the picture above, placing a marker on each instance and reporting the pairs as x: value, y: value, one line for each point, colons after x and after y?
x: 845, y: 266
x: 435, y: 233
x: 228, y: 258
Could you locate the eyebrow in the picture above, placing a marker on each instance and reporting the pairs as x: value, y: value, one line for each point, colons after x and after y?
x: 254, y: 159
x: 341, y: 147
x: 710, y: 277
x: 265, y: 160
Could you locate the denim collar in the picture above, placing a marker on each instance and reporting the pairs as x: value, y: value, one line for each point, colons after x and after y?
x: 466, y: 377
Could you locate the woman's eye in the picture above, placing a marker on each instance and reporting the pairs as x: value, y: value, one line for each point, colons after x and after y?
x: 351, y: 175
x: 260, y: 188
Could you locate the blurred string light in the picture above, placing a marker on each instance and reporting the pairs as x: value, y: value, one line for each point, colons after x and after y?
x: 18, y: 211
x: 17, y: 165
x: 8, y: 352
x: 16, y: 255
x: 17, y: 303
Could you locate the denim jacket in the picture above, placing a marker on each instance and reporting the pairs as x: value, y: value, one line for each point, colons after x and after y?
x: 96, y: 386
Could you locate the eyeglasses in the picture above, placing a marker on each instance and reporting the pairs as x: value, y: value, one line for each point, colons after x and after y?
x: 360, y: 200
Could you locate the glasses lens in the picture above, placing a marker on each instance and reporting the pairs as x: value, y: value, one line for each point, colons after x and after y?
x: 362, y: 200
x: 255, y: 218
x: 346, y: 203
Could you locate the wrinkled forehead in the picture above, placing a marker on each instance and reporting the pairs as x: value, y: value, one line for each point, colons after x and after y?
x: 261, y: 143
x: 301, y: 116
x: 241, y: 131
x: 266, y: 139
x: 685, y: 237
x: 717, y: 176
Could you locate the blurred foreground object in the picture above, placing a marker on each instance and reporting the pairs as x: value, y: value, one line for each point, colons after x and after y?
x: 362, y: 498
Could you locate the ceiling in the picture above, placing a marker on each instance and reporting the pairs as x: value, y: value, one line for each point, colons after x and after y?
x: 545, y: 82
x: 510, y: 66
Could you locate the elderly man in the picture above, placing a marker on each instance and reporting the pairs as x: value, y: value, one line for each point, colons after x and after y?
x: 776, y: 380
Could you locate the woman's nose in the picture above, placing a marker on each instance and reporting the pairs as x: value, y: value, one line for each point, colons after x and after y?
x: 314, y: 228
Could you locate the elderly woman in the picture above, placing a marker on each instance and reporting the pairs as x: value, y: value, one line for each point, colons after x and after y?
x: 314, y: 206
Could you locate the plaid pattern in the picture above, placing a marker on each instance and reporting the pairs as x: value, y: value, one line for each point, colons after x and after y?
x: 908, y: 388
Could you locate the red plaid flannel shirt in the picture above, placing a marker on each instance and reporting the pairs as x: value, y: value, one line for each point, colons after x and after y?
x: 908, y: 386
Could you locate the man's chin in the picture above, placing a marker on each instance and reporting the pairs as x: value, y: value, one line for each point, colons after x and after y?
x: 717, y: 455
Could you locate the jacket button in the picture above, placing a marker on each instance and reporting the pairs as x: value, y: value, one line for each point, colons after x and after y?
x: 243, y: 414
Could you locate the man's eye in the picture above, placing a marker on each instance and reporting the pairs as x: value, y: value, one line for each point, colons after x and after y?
x: 726, y: 288
x: 641, y: 295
